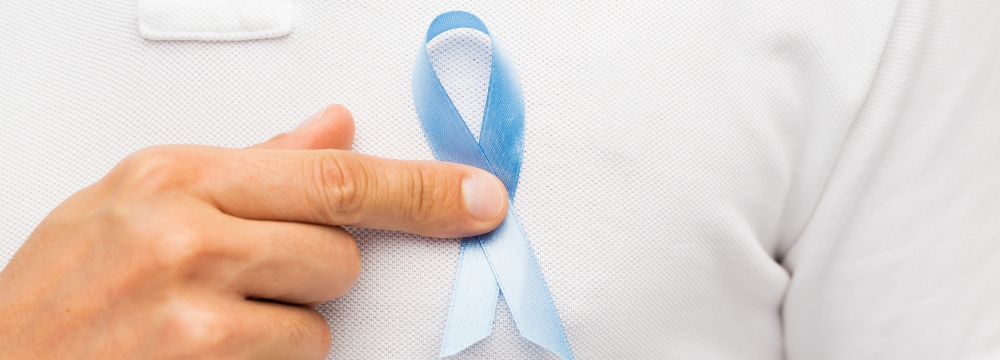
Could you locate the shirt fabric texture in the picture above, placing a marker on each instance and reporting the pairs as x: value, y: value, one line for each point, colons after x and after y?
x: 701, y: 179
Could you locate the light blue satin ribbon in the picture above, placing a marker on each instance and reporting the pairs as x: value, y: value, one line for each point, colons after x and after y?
x: 501, y: 261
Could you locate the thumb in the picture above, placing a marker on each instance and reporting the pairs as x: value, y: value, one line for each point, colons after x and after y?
x: 331, y: 127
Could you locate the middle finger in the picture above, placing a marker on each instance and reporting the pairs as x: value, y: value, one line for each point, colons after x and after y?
x: 291, y: 262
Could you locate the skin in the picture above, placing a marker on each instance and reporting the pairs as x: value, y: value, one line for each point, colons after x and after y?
x: 205, y: 252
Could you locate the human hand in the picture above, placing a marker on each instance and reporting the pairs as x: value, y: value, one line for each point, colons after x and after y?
x: 196, y: 251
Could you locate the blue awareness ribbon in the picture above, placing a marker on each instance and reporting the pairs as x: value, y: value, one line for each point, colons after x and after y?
x: 501, y: 261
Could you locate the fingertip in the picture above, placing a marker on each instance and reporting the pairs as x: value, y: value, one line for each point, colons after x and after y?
x: 332, y: 127
x: 483, y: 207
x: 342, y: 123
x: 485, y: 197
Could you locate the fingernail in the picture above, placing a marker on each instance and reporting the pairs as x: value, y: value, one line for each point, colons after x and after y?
x: 483, y: 196
x: 311, y: 119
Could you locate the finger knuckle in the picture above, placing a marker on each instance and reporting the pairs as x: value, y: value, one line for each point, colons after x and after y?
x: 353, y: 264
x: 198, y: 328
x: 153, y: 170
x: 349, y: 268
x: 181, y: 245
x: 310, y: 331
x: 341, y: 264
x: 340, y: 184
x: 424, y: 190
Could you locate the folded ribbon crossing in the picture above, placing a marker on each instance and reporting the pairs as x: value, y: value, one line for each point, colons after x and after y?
x: 501, y: 261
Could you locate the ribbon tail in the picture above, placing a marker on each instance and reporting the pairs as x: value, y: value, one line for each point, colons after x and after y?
x: 503, y: 260
x: 473, y: 300
x: 520, y: 278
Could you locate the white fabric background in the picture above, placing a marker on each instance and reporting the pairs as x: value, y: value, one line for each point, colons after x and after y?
x: 702, y: 179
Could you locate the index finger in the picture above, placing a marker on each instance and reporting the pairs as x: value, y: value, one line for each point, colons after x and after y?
x: 336, y: 187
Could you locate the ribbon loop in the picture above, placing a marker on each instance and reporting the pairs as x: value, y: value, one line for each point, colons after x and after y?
x: 501, y: 261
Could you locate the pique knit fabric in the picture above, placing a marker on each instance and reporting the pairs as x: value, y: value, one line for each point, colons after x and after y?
x: 214, y: 20
x: 702, y: 179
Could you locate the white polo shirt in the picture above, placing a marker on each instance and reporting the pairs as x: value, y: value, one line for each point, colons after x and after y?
x: 701, y: 179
